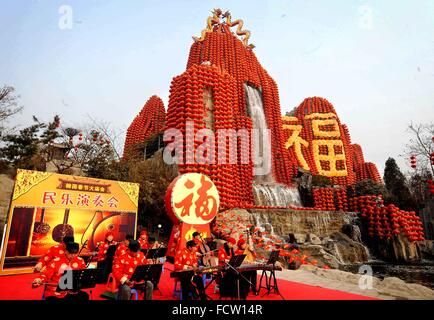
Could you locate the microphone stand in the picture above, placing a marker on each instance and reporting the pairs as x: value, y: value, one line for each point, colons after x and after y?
x: 238, y: 278
x: 91, y: 257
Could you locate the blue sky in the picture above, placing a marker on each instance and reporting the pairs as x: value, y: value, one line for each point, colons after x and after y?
x: 374, y: 60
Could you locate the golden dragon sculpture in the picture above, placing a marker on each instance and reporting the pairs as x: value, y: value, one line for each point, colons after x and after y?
x: 240, y: 31
x: 210, y: 22
x: 213, y: 20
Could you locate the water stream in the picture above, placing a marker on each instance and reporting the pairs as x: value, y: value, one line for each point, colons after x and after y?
x: 265, y: 189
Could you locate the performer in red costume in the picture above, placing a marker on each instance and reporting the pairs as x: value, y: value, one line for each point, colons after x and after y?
x: 228, y: 283
x: 226, y: 251
x: 54, y: 251
x: 103, y: 261
x: 144, y: 239
x: 68, y: 260
x: 123, y: 246
x: 104, y: 245
x: 186, y: 259
x: 123, y: 269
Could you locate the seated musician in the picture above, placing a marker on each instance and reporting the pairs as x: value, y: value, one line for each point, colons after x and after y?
x: 104, y: 262
x: 199, y: 247
x: 226, y: 251
x: 143, y: 239
x: 104, y: 245
x: 247, y: 248
x: 123, y: 269
x: 228, y: 282
x: 54, y: 251
x: 68, y: 260
x: 205, y: 255
x: 186, y: 259
x: 123, y: 246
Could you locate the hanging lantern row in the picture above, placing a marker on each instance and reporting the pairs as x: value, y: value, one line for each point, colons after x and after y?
x: 386, y: 222
x: 430, y: 186
x: 413, y: 161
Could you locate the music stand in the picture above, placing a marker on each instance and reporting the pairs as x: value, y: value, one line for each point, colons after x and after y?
x: 236, y: 261
x: 148, y: 272
x: 270, y: 280
x: 232, y: 265
x: 81, y: 279
x: 274, y: 256
x: 156, y: 253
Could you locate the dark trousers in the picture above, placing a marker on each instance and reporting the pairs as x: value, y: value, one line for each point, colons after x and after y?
x: 229, y: 285
x: 187, y: 288
x: 124, y: 291
x: 79, y: 296
x: 251, y: 276
x: 106, y: 266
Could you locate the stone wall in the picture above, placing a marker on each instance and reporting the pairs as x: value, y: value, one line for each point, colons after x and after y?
x: 318, y: 234
x: 427, y: 216
x: 285, y: 221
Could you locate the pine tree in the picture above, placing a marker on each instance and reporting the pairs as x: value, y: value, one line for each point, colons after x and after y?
x: 397, y: 186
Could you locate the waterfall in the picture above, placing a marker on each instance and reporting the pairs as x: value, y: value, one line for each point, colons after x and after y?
x: 262, y: 222
x: 274, y: 194
x: 261, y: 140
x: 266, y: 191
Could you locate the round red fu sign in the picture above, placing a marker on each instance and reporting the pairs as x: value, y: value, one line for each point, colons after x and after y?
x: 192, y: 198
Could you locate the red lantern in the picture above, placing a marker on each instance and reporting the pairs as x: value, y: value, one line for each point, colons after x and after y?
x: 413, y: 161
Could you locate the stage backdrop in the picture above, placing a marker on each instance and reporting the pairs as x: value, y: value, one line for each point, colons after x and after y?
x: 47, y: 206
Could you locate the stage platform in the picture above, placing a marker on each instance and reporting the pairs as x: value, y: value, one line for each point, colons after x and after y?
x: 18, y: 287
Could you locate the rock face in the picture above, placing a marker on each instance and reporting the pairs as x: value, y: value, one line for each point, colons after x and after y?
x: 314, y: 239
x: 286, y: 221
x: 398, y: 249
x: 427, y: 248
x: 346, y: 250
x: 427, y: 216
x: 316, y: 234
x: 6, y: 188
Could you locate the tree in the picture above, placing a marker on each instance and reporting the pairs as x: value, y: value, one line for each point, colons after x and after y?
x: 8, y: 105
x: 368, y: 188
x: 421, y: 145
x: 397, y: 186
x: 21, y: 149
x: 64, y: 148
x: 321, y: 181
x: 418, y: 185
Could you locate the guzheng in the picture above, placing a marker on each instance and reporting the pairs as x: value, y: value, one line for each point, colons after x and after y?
x: 207, y: 270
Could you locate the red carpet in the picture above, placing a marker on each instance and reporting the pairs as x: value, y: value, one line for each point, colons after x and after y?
x: 18, y: 287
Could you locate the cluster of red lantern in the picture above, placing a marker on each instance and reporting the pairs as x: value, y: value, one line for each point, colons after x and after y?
x: 186, y: 103
x: 413, y: 161
x: 430, y: 186
x: 354, y: 164
x: 315, y: 105
x: 324, y: 199
x: 385, y: 222
x: 341, y: 199
x: 147, y: 123
x: 230, y: 66
x: 223, y: 49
